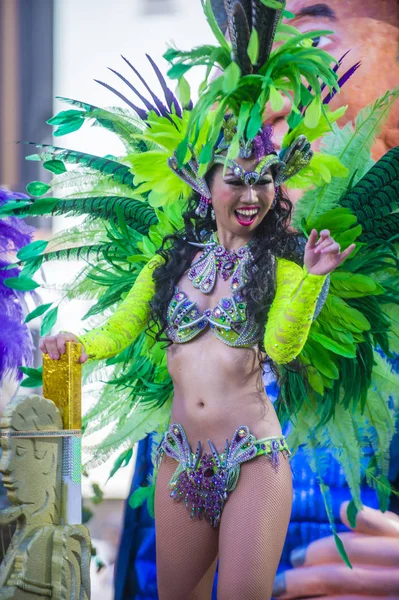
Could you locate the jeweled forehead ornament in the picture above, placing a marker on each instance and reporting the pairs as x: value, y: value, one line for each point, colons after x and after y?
x: 254, y: 176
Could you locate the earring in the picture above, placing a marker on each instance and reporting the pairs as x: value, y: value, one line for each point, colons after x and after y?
x: 202, y: 207
x: 213, y: 216
x: 275, y: 198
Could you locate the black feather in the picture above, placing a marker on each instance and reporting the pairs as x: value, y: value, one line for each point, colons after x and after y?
x: 265, y: 21
x: 239, y: 15
x: 242, y: 17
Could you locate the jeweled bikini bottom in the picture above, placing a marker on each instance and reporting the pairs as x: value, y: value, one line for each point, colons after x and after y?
x: 204, y: 481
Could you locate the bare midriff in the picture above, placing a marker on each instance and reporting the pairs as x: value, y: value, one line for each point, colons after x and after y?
x: 217, y: 387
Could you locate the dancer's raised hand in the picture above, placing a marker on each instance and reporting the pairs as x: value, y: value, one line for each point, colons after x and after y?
x: 323, y: 254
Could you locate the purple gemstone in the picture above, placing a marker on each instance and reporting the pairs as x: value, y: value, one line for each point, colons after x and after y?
x: 228, y: 265
x: 226, y: 303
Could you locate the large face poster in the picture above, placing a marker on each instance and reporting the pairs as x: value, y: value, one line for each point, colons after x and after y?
x: 369, y: 30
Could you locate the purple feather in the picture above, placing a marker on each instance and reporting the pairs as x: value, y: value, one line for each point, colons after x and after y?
x: 146, y: 102
x: 160, y: 106
x: 141, y: 113
x: 170, y: 98
x: 263, y: 144
x: 341, y: 81
x: 16, y: 347
x: 335, y: 69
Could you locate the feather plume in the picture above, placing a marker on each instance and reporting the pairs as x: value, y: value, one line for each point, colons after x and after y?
x: 16, y: 345
x: 140, y: 423
x: 136, y: 213
x: 157, y: 106
x: 265, y: 21
x: 375, y: 197
x: 352, y: 147
x: 239, y: 18
x: 119, y: 172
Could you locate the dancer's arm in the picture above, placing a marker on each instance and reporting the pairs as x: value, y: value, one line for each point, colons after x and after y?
x: 128, y: 321
x: 292, y: 310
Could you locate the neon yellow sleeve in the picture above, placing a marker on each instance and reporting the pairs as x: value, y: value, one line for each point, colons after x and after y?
x: 290, y: 315
x: 127, y: 322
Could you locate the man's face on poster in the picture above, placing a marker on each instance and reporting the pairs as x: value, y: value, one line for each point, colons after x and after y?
x: 370, y: 30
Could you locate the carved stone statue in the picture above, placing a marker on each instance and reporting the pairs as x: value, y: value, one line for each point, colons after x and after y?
x: 45, y: 559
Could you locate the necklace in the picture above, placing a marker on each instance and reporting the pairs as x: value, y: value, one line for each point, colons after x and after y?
x: 216, y: 259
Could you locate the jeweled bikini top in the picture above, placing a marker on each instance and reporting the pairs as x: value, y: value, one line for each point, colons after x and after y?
x: 228, y: 319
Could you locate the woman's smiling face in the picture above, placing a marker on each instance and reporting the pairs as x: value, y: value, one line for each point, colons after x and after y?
x: 240, y: 208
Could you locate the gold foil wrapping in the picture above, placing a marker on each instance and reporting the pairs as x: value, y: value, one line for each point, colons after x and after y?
x: 62, y: 383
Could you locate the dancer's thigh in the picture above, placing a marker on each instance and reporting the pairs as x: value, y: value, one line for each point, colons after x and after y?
x: 186, y: 549
x: 253, y: 529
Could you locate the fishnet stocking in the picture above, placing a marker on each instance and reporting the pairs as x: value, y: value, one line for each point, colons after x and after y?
x: 253, y: 529
x: 251, y: 536
x: 186, y: 550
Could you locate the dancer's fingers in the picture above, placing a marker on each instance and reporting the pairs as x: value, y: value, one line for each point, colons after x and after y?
x: 312, y: 239
x: 83, y: 357
x: 323, y: 235
x: 49, y: 346
x: 336, y: 579
x: 61, y: 339
x: 373, y: 522
x: 333, y: 248
x: 346, y: 252
x: 361, y: 549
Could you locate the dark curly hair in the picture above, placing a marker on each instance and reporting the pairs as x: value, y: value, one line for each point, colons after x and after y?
x: 272, y: 238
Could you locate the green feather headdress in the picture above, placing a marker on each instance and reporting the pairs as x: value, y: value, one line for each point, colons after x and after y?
x: 250, y: 74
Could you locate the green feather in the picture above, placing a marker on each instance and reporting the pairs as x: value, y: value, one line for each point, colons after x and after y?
x: 375, y: 197
x: 352, y: 147
x: 137, y: 214
x: 382, y: 230
x: 111, y: 168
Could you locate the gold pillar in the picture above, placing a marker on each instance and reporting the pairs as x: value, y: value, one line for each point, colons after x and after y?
x: 62, y: 383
